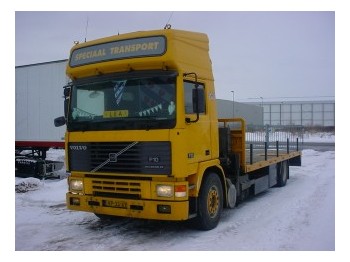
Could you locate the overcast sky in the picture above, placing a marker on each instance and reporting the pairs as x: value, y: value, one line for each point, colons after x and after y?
x: 273, y: 55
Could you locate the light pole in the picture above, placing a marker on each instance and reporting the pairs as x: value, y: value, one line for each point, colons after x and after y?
x: 262, y: 105
x: 233, y: 104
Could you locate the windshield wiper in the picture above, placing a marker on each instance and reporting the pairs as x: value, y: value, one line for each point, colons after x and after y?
x: 80, y: 113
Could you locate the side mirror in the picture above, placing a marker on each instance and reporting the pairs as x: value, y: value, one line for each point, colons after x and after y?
x: 66, y: 91
x: 60, y: 121
x: 198, y: 100
x: 198, y: 103
x: 66, y: 105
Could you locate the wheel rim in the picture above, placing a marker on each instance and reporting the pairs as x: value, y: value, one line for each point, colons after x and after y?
x: 213, y: 201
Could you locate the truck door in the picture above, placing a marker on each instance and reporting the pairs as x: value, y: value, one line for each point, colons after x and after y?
x: 197, y: 125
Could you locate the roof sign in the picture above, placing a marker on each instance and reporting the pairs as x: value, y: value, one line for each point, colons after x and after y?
x: 121, y: 49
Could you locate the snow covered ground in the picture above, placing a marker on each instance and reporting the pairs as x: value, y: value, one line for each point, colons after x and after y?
x: 300, y: 216
x: 297, y: 217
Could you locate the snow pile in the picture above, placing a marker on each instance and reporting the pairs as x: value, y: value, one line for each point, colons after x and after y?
x: 27, y: 184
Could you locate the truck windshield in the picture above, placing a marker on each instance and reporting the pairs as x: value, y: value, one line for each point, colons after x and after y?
x: 136, y: 101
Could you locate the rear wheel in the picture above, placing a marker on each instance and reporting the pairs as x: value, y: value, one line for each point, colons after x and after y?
x: 283, y: 173
x: 210, y: 203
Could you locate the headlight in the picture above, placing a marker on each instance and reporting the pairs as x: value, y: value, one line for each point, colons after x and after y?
x: 165, y: 191
x: 76, y: 185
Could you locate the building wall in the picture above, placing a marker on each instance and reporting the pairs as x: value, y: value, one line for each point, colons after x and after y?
x: 305, y: 113
x: 253, y: 114
x: 309, y: 113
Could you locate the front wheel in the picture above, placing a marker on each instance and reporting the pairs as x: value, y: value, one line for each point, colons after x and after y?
x: 210, y: 203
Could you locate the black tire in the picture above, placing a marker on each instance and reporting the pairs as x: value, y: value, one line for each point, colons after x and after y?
x: 210, y: 202
x: 282, y: 173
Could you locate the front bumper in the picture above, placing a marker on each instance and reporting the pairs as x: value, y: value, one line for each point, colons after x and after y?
x: 148, y: 209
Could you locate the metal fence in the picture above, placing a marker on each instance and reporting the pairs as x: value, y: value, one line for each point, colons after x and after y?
x: 275, y: 136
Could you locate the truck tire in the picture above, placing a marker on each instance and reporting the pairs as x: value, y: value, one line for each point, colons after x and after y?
x: 282, y: 173
x: 210, y: 203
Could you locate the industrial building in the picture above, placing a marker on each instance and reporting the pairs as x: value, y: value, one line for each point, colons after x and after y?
x: 253, y: 114
x: 304, y: 113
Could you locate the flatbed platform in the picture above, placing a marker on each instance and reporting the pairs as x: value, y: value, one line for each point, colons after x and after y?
x: 260, y: 160
x: 256, y: 156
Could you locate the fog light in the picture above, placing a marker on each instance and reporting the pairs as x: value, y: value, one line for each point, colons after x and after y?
x: 165, y: 191
x: 164, y: 209
x: 74, y: 201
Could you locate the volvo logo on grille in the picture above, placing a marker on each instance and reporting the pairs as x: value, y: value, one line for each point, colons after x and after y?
x: 113, y: 157
x: 78, y: 148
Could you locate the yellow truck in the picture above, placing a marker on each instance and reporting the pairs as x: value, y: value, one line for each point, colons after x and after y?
x: 143, y: 138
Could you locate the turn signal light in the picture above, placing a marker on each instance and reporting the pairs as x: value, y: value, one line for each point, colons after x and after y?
x: 180, y: 191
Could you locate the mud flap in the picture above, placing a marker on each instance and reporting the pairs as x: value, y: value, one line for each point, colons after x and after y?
x: 231, y: 194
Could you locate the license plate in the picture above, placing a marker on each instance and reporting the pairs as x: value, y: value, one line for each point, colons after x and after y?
x: 115, y: 204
